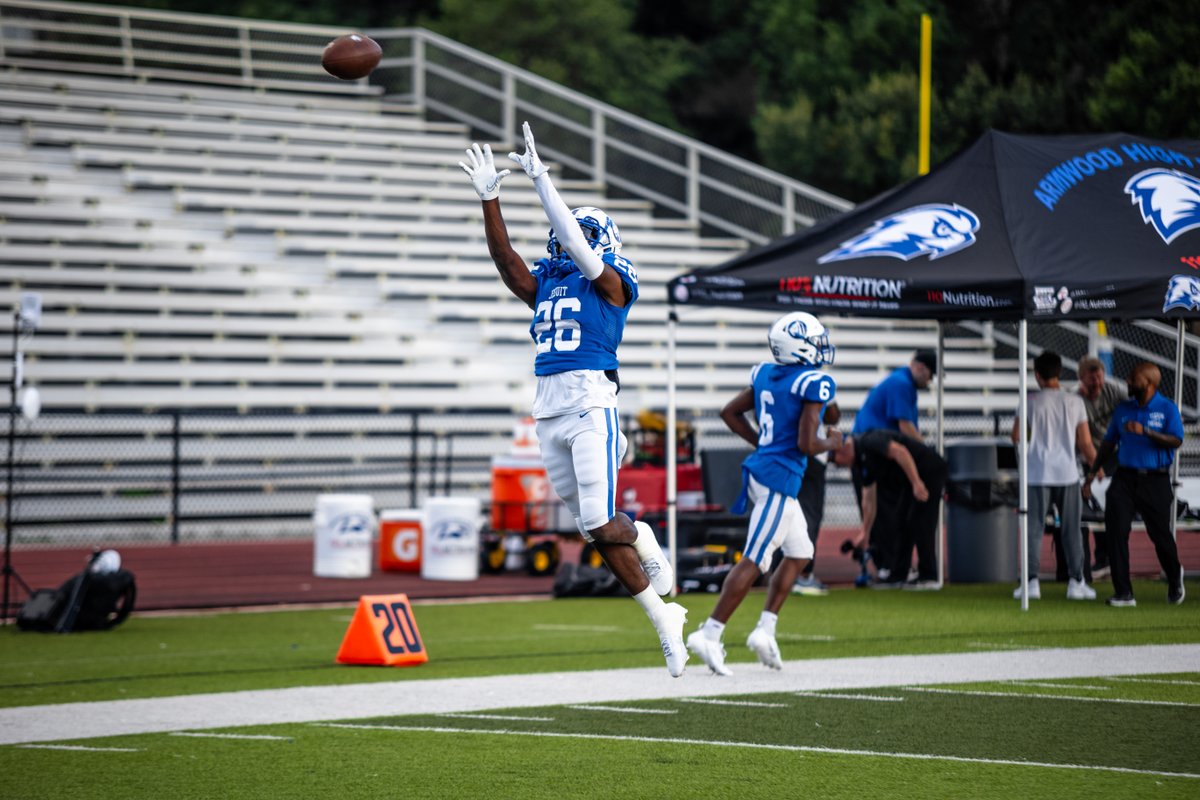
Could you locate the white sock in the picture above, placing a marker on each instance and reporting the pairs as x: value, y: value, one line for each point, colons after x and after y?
x: 767, y: 621
x: 646, y: 544
x: 650, y: 602
x: 713, y: 629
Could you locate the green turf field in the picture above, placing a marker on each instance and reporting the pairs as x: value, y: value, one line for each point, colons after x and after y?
x: 1078, y: 738
x: 158, y: 656
x: 1132, y: 736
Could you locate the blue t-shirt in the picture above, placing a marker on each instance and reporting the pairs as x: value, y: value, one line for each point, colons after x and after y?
x: 573, y: 326
x: 1138, y: 452
x: 780, y: 392
x: 893, y: 399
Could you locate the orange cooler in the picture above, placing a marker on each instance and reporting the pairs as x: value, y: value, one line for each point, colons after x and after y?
x: 520, y: 494
x: 400, y: 540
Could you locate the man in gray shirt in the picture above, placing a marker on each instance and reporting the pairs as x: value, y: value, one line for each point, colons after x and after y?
x: 1100, y: 397
x: 1057, y: 431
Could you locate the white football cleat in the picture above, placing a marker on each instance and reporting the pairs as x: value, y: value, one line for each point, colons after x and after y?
x: 765, y: 647
x: 1035, y: 590
x: 654, y: 561
x: 669, y: 624
x: 1078, y: 590
x: 710, y: 651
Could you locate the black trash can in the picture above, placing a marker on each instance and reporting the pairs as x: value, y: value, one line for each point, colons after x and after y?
x: 981, y: 527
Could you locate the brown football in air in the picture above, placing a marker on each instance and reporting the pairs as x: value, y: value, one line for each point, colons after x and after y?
x: 351, y: 57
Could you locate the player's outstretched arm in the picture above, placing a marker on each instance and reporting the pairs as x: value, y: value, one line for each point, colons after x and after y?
x: 486, y: 180
x: 605, y: 278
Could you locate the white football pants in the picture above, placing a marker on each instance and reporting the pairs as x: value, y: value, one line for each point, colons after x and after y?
x: 582, y: 452
x: 776, y: 522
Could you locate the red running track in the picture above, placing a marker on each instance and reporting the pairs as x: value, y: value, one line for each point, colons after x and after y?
x: 214, y: 575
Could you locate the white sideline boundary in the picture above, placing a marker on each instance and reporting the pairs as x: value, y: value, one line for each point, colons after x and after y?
x: 76, y: 721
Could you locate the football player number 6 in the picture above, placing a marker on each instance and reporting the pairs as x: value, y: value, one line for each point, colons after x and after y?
x: 550, y: 315
x: 766, y: 425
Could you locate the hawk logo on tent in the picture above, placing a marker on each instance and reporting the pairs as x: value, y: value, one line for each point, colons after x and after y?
x: 934, y: 230
x: 1170, y: 200
x: 1183, y: 291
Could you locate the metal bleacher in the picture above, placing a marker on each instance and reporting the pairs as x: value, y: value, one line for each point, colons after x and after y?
x: 228, y: 248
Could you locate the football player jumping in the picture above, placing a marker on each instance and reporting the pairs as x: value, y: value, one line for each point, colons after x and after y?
x: 580, y: 297
x: 788, y: 399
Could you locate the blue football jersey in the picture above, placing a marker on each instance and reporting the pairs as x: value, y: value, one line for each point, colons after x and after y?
x: 573, y: 326
x: 780, y: 392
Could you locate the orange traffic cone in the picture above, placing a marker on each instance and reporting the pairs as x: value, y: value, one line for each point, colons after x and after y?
x: 383, y: 631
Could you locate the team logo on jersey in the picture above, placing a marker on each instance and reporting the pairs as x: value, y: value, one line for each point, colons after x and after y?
x: 1169, y: 200
x: 935, y: 230
x: 1183, y: 291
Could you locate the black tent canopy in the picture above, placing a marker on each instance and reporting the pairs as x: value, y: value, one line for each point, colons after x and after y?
x: 1012, y: 228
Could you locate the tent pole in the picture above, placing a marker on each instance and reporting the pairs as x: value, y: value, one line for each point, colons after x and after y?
x: 672, y: 489
x: 1179, y: 404
x: 941, y: 449
x: 1023, y: 495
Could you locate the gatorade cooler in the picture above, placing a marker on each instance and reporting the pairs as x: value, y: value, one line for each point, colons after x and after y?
x: 400, y: 540
x: 520, y: 494
x: 450, y: 541
x: 344, y: 527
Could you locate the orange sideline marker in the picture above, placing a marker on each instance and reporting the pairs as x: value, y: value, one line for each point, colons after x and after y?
x: 383, y: 631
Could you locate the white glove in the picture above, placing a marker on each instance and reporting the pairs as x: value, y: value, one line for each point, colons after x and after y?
x: 482, y: 172
x: 530, y: 162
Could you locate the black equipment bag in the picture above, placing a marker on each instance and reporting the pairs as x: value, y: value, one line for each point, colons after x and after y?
x: 41, y: 611
x: 85, y: 602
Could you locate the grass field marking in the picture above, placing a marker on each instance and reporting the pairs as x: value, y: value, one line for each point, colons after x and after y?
x: 259, y: 736
x: 789, y: 748
x: 878, y: 698
x: 1041, y: 696
x: 747, y: 703
x: 625, y: 709
x: 1155, y: 680
x: 1007, y: 646
x: 1045, y: 685
x: 802, y: 637
x: 455, y: 715
x: 79, y: 747
x: 579, y: 628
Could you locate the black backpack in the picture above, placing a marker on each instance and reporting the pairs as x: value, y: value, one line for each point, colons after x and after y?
x: 86, y: 602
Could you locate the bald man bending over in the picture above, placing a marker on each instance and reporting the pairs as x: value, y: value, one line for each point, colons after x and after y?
x: 1146, y: 430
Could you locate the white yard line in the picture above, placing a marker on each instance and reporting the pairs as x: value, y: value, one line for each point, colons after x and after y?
x: 791, y: 748
x: 80, y: 748
x: 1161, y: 681
x: 498, y: 716
x: 625, y: 709
x: 75, y: 721
x: 1045, y: 685
x: 1042, y: 696
x: 746, y: 703
x: 253, y: 736
x: 835, y: 696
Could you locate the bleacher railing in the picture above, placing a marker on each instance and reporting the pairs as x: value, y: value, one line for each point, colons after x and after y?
x: 708, y: 188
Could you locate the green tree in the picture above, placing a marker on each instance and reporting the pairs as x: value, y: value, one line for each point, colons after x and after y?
x: 588, y: 47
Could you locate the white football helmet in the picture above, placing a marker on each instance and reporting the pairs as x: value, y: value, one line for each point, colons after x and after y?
x: 599, y: 230
x: 800, y: 338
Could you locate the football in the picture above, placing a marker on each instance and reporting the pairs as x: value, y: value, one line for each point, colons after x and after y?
x: 351, y: 57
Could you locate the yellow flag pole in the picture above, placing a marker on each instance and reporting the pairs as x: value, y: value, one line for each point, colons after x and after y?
x: 926, y: 93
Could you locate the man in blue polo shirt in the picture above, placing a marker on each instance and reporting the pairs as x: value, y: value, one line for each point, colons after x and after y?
x: 892, y: 405
x: 1146, y: 430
